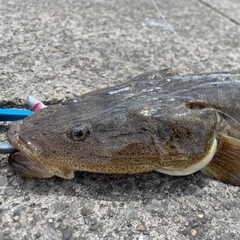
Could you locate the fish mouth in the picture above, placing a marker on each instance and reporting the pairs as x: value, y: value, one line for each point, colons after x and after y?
x: 23, y: 166
x: 22, y: 161
x: 15, y: 140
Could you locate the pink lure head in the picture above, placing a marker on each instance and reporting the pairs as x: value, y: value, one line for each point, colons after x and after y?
x: 34, y: 103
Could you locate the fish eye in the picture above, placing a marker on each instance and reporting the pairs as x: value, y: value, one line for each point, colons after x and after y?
x: 80, y: 131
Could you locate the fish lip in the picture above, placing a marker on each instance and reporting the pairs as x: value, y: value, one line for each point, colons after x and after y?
x: 15, y: 140
x: 23, y: 160
x: 13, y: 134
x: 18, y: 161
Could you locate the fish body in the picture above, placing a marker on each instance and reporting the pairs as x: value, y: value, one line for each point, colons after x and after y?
x: 157, y: 121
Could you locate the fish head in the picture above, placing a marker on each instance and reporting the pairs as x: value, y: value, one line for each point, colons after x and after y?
x: 60, y: 140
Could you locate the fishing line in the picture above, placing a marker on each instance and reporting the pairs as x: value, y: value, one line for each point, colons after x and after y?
x: 176, y: 34
x: 227, y: 115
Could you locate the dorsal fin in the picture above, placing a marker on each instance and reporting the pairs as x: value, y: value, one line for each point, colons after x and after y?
x: 155, y: 75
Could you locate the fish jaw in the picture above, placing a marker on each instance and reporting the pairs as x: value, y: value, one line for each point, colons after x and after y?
x: 26, y: 161
x: 22, y: 162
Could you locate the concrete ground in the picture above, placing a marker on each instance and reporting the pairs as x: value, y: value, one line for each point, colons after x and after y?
x: 54, y: 50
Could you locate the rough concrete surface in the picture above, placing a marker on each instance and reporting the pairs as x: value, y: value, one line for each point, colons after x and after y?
x: 54, y: 50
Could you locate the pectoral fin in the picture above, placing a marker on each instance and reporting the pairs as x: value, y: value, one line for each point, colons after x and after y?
x: 225, y: 166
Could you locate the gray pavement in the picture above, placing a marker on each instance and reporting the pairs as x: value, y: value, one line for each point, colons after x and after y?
x: 54, y: 50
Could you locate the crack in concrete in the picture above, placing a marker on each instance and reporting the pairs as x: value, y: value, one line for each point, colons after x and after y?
x: 219, y: 12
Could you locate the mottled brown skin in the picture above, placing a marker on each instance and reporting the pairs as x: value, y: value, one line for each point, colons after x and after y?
x: 157, y: 120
